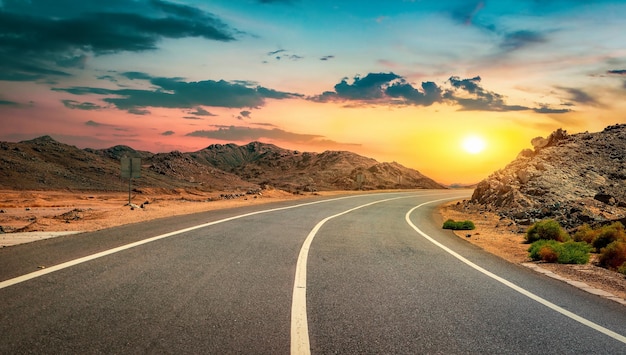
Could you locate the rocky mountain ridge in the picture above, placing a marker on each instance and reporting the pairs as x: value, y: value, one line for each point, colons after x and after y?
x: 291, y: 169
x: 45, y: 164
x: 575, y: 179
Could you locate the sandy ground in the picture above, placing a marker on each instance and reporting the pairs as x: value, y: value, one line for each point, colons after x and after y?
x: 32, y: 215
x: 30, y: 211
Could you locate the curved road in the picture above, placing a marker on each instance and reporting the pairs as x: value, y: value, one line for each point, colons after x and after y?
x: 366, y: 274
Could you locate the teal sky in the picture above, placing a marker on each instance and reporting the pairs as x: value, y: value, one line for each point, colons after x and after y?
x: 395, y: 80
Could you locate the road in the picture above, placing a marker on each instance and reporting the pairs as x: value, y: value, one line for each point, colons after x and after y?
x: 364, y: 274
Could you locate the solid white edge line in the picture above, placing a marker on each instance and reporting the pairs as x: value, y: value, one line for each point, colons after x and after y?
x: 300, y: 343
x: 513, y: 286
x: 48, y: 270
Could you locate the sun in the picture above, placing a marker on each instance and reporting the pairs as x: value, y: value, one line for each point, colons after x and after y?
x: 473, y: 144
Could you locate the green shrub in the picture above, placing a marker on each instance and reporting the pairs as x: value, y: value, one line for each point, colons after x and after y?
x: 586, y: 234
x: 458, y: 225
x: 574, y: 253
x: 608, y: 235
x: 613, y: 256
x: 541, y: 248
x: 551, y: 251
x: 548, y: 229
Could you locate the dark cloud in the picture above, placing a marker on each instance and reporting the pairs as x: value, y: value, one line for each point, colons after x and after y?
x: 15, y: 68
x: 547, y: 110
x: 281, y: 54
x: 38, y: 38
x: 371, y: 87
x: 264, y: 124
x: 201, y: 112
x: 272, y: 53
x: 75, y: 105
x: 470, y: 85
x: 110, y: 78
x: 392, y: 89
x: 96, y: 124
x: 519, y: 39
x: 192, y: 118
x: 175, y: 93
x: 138, y: 112
x: 383, y: 88
x: 134, y: 75
x: 167, y: 133
x: 8, y: 103
x: 327, y: 57
x: 245, y: 114
x: 85, y: 90
x: 429, y: 94
x: 579, y: 96
x: 247, y: 134
x: 471, y: 96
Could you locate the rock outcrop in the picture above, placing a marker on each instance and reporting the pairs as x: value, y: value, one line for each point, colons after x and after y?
x: 574, y: 179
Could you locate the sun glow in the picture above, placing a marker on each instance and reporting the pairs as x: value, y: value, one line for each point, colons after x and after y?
x: 473, y: 144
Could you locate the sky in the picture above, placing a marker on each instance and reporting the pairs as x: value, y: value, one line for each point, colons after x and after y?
x: 397, y: 80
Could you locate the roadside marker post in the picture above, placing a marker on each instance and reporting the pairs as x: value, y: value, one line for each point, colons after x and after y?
x: 131, y: 168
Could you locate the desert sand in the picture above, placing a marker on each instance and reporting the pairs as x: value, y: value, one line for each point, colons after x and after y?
x: 55, y: 211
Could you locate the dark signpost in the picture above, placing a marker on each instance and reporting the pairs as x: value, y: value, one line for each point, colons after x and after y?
x: 360, y: 178
x: 131, y: 168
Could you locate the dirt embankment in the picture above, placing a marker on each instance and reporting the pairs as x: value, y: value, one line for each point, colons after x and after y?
x: 504, y: 238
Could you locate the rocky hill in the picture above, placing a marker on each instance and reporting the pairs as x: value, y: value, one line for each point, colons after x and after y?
x: 575, y: 179
x: 46, y: 164
x: 293, y: 170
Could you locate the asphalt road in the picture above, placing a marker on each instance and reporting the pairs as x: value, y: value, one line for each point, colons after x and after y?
x: 367, y: 274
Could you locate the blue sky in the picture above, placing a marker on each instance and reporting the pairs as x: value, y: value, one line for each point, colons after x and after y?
x: 396, y: 80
